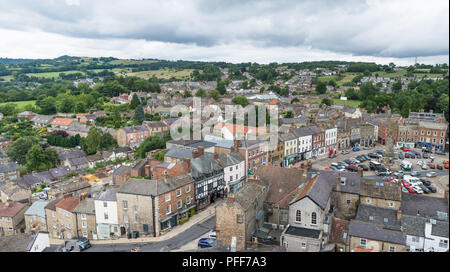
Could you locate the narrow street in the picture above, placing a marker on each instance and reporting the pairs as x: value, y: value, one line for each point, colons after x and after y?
x: 183, y: 238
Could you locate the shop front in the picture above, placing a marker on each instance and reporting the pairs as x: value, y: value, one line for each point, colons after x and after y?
x: 290, y: 160
x: 169, y: 222
x: 186, y: 213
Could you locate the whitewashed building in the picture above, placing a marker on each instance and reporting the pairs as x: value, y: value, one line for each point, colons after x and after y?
x: 234, y: 170
x: 331, y: 138
x: 304, y: 142
x: 106, y: 214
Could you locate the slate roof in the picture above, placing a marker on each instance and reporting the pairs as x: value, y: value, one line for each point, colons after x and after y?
x: 154, y: 124
x: 248, y: 194
x: 233, y: 158
x: 303, y: 131
x: 352, y: 180
x: 52, y: 204
x: 440, y: 229
x: 107, y: 195
x: 71, y: 154
x: 280, y: 181
x: 288, y: 137
x: 374, y: 232
x: 138, y: 187
x: 317, y: 189
x: 378, y: 215
x: 179, y: 153
x: 246, y: 144
x: 339, y: 230
x: 86, y: 205
x: 425, y: 206
x: 205, y: 144
x: 16, y: 243
x: 219, y: 142
x: 298, y: 120
x: 28, y: 180
x: 171, y: 183
x: 9, y: 167
x: 134, y: 129
x: 37, y: 208
x: 42, y: 119
x: 78, y: 161
x: 414, y: 225
x: 303, y: 232
x: 204, y: 165
x: 95, y: 157
x: 122, y: 170
x: 389, y: 191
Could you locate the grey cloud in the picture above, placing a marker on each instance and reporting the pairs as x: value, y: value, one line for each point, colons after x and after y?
x: 367, y: 28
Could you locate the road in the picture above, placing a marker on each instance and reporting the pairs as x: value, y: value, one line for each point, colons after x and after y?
x: 183, y: 238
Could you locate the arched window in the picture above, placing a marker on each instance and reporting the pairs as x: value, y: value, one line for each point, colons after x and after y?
x: 298, y: 216
x: 313, y: 218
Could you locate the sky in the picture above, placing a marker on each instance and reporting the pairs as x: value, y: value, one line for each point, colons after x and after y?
x: 228, y: 30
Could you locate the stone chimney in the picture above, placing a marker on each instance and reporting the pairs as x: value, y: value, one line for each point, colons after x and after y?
x: 237, y: 143
x: 399, y: 214
x: 187, y: 165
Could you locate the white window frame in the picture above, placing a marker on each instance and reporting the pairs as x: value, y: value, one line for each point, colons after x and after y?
x: 298, y: 213
x: 167, y: 197
x: 83, y: 216
x: 313, y: 218
x: 179, y: 204
x: 188, y: 189
x: 168, y: 209
x: 391, y: 248
x: 178, y: 192
x: 361, y: 242
x: 83, y: 224
x: 188, y: 200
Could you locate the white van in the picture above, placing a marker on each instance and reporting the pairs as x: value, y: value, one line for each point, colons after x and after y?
x: 406, y: 166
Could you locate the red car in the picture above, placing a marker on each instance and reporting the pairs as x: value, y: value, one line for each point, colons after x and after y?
x: 446, y: 166
x: 328, y: 168
x: 352, y: 164
x: 440, y: 167
x: 410, y: 190
x: 406, y: 149
x: 404, y: 183
x: 432, y: 166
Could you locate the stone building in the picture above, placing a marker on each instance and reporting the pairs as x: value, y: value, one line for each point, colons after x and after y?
x: 35, y: 217
x: 240, y: 216
x: 12, y: 218
x: 85, y: 218
x: 380, y: 193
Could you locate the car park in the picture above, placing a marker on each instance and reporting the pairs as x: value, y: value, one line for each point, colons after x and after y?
x: 431, y: 174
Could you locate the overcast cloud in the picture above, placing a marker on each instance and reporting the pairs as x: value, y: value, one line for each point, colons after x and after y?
x: 234, y: 31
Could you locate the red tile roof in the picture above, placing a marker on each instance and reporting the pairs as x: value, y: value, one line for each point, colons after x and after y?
x: 11, y: 210
x: 61, y: 121
x: 68, y: 204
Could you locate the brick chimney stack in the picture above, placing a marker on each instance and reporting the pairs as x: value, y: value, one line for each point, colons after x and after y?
x: 187, y: 165
x: 237, y: 143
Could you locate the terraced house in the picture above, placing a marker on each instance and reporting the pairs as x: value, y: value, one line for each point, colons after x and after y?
x: 132, y: 136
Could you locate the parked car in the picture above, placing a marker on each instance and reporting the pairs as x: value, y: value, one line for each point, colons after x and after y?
x: 425, y: 181
x: 82, y: 242
x: 352, y: 168
x: 419, y: 163
x: 213, y: 235
x: 432, y: 166
x: 356, y: 149
x: 404, y: 149
x: 415, y: 174
x: 345, y: 152
x: 206, y: 242
x: 440, y: 152
x: 348, y: 162
x: 426, y: 156
x: 431, y: 174
x: 410, y: 189
x: 381, y: 152
x: 446, y: 166
x: 401, y: 156
x: 367, y: 148
x: 342, y: 163
x: 424, y: 166
x: 383, y: 172
x: 432, y: 156
x: 334, y: 167
x: 373, y: 155
x: 364, y: 167
x: 399, y: 174
x: 328, y: 168
x: 432, y: 188
x: 367, y: 157
x: 440, y: 167
x: 418, y: 156
x: 332, y: 156
x: 410, y: 155
x: 424, y: 189
x: 417, y: 189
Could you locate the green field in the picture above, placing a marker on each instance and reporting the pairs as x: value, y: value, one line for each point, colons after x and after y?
x: 351, y: 103
x: 127, y: 62
x: 22, y: 104
x: 53, y: 74
x: 162, y: 73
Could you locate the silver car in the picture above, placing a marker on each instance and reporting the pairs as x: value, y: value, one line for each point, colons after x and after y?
x: 431, y: 174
